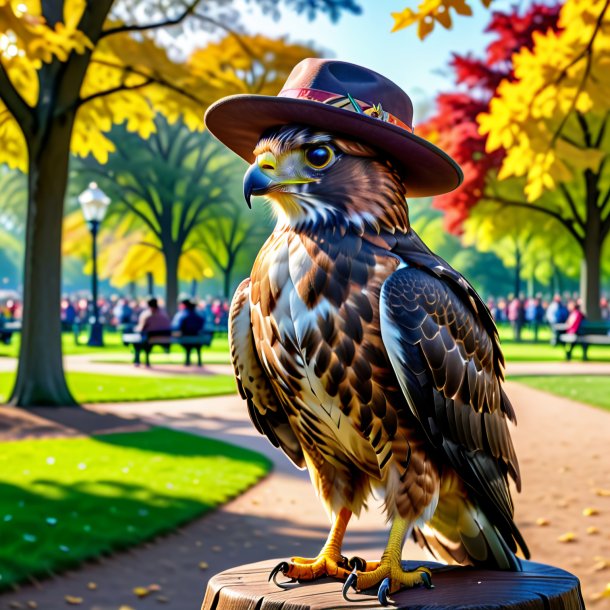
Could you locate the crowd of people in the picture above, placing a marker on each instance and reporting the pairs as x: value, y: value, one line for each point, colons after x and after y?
x: 125, y: 315
x: 535, y: 312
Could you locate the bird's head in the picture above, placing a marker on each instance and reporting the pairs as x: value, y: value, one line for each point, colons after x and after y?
x: 313, y: 178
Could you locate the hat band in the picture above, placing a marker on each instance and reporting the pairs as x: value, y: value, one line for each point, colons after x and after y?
x: 345, y: 103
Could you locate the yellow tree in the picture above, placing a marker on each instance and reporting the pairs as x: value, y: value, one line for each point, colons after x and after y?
x: 552, y: 121
x: 67, y: 73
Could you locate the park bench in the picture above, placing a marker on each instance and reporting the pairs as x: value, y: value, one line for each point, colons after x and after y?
x: 8, y: 329
x: 145, y: 342
x: 589, y: 333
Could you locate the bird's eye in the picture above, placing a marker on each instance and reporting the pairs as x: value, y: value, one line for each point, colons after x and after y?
x: 319, y: 156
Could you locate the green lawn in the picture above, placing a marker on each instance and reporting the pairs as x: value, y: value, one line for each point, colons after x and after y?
x: 94, y: 387
x: 63, y: 501
x: 591, y: 389
x: 115, y: 351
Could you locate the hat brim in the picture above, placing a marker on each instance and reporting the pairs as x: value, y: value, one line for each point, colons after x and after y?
x: 239, y: 120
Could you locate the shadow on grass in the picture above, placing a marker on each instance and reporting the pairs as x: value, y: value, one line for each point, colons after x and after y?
x: 64, y: 501
x: 61, y: 525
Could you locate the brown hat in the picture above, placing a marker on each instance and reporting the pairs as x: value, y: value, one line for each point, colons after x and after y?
x: 345, y: 98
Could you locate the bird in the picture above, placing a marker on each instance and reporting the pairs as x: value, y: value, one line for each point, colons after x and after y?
x: 371, y: 362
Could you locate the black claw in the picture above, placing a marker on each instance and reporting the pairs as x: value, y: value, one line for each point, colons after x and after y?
x: 350, y: 583
x: 357, y: 563
x: 283, y: 568
x: 382, y: 593
x: 427, y: 580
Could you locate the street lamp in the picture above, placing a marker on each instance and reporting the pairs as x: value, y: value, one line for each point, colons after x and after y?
x: 94, y: 203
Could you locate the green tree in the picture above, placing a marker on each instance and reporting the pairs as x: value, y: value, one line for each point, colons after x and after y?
x: 69, y: 70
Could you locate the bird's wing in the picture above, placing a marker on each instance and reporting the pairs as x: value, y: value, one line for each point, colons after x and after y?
x: 445, y: 362
x: 266, y: 412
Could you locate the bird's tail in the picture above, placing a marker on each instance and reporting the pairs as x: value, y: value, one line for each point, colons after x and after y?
x: 460, y: 532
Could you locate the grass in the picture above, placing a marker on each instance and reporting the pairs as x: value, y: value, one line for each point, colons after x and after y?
x: 63, y: 501
x: 115, y: 351
x: 590, y: 389
x: 94, y: 387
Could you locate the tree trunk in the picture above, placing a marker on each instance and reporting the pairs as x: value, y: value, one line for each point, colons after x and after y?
x: 590, y: 268
x: 40, y: 374
x: 150, y: 283
x: 517, y: 272
x: 171, y: 280
x: 590, y: 273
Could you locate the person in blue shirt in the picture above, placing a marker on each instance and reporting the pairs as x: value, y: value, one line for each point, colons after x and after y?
x: 189, y: 324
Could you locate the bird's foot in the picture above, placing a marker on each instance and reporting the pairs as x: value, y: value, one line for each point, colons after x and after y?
x: 303, y: 568
x: 390, y: 577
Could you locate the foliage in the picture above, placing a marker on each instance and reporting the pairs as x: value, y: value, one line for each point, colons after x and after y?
x: 99, y: 388
x: 454, y: 125
x: 431, y: 12
x: 70, y: 499
x: 232, y: 236
x: 551, y: 119
x: 590, y: 389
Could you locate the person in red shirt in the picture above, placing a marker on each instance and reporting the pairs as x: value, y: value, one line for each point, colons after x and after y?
x: 575, y: 318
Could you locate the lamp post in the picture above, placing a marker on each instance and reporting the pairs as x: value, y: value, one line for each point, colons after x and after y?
x: 94, y: 203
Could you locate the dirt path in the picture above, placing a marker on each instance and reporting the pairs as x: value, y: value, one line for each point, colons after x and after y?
x: 564, y: 454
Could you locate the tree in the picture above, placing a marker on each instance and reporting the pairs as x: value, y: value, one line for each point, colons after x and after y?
x: 454, y: 125
x: 232, y: 235
x: 552, y: 122
x: 68, y: 71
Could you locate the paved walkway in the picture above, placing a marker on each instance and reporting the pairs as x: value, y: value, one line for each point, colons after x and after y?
x: 563, y: 451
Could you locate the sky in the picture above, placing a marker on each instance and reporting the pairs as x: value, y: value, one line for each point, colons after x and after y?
x: 419, y: 67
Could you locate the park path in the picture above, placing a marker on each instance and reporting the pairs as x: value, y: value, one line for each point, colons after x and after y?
x: 88, y: 363
x: 563, y: 451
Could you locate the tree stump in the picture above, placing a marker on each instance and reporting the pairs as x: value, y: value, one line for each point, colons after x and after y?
x: 538, y: 586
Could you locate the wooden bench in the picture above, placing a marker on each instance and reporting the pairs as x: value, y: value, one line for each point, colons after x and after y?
x: 8, y: 329
x: 145, y: 342
x: 537, y: 587
x: 589, y: 333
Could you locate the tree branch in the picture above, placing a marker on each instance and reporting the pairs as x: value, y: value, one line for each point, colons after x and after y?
x: 152, y: 26
x: 154, y: 79
x: 566, y: 222
x: 84, y: 100
x: 568, y: 197
x: 15, y: 104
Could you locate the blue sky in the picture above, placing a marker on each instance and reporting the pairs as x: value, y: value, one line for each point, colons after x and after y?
x: 420, y: 68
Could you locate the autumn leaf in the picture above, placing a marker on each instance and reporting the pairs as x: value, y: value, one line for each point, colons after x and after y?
x: 72, y: 600
x: 567, y: 537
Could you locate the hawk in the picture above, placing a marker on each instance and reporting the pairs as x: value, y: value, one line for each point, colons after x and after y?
x: 360, y: 353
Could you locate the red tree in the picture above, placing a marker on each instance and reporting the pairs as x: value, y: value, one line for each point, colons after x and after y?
x: 454, y: 128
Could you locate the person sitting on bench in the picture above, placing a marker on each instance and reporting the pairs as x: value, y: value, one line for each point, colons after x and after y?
x: 189, y: 324
x: 152, y: 320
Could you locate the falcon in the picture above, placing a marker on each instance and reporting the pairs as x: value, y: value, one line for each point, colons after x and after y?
x: 360, y: 353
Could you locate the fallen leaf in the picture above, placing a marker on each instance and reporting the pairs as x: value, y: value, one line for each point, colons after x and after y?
x: 125, y: 607
x: 141, y: 591
x: 601, y: 564
x: 203, y: 565
x: 592, y: 530
x: 567, y: 537
x: 604, y: 493
x: 15, y: 604
x: 154, y: 587
x: 217, y: 548
x: 162, y: 599
x: 590, y: 511
x: 542, y: 522
x: 92, y: 586
x: 32, y: 604
x: 602, y: 594
x: 73, y: 600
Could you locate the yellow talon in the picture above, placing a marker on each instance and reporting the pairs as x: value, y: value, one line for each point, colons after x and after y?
x: 330, y: 561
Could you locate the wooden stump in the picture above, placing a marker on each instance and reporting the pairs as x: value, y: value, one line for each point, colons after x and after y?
x: 538, y: 586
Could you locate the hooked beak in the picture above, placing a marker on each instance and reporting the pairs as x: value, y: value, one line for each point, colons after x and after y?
x: 256, y: 182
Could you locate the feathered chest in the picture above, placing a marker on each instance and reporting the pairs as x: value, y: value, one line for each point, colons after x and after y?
x: 315, y: 317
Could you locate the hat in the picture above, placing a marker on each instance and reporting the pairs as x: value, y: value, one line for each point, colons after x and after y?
x: 342, y: 98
